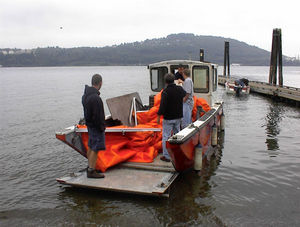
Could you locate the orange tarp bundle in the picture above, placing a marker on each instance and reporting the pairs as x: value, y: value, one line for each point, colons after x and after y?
x: 135, y: 146
x: 131, y: 146
x: 199, y: 102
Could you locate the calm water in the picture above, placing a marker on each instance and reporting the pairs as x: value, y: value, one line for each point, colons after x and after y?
x: 253, y: 181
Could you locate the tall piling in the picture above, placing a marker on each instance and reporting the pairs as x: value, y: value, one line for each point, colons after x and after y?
x: 280, y: 76
x: 276, y: 59
x: 226, y: 60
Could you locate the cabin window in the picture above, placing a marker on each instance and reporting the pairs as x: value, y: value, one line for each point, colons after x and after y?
x: 201, y: 79
x: 157, y: 78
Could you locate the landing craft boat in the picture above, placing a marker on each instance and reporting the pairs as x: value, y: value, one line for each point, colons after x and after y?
x: 133, y: 138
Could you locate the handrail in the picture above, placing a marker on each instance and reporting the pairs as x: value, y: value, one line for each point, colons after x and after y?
x: 133, y: 108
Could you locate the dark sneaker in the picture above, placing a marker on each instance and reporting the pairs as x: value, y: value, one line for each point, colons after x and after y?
x: 86, y: 169
x: 98, y: 171
x: 94, y: 174
x: 163, y: 158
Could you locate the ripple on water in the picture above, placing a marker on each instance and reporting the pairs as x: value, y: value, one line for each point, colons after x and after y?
x: 253, y: 181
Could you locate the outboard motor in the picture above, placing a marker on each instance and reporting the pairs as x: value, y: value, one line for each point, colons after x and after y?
x: 245, y: 81
x: 238, y: 90
x: 238, y: 86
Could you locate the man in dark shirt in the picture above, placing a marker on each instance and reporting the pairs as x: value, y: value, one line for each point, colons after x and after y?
x: 171, y: 105
x: 179, y: 73
x: 95, y: 121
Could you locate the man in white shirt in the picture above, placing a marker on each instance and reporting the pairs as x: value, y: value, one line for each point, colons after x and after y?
x: 188, y: 101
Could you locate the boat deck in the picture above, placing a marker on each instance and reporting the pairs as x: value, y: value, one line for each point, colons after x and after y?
x: 157, y: 164
x: 138, y: 178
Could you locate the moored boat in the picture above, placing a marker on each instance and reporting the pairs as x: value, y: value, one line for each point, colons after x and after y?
x: 133, y: 137
x: 238, y: 87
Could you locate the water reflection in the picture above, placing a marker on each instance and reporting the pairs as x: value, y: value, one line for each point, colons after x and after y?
x: 192, y: 201
x: 243, y: 98
x: 107, y: 208
x: 272, y: 126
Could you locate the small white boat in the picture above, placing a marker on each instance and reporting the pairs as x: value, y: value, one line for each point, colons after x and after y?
x: 238, y: 87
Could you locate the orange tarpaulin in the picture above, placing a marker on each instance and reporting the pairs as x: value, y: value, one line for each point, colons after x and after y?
x: 128, y: 146
x: 199, y: 102
x: 135, y: 146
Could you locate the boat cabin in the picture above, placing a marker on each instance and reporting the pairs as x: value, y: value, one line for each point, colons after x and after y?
x: 203, y: 74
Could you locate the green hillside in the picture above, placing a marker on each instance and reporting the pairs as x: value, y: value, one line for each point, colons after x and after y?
x: 175, y: 46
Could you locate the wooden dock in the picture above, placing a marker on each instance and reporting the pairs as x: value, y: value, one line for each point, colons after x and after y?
x: 277, y: 92
x: 280, y: 93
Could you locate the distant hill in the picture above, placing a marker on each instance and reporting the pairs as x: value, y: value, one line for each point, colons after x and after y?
x: 175, y: 46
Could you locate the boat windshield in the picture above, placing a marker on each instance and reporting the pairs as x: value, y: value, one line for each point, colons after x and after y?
x: 157, y: 78
x: 201, y: 79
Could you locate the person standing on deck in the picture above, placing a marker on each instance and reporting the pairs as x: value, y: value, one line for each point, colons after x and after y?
x: 179, y: 74
x: 171, y: 109
x: 95, y: 121
x: 188, y: 101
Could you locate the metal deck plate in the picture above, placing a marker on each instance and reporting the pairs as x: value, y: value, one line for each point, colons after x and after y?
x: 156, y: 165
x: 123, y: 179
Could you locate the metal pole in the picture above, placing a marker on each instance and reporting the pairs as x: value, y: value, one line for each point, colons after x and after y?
x: 224, y: 66
x: 202, y: 55
x: 228, y: 61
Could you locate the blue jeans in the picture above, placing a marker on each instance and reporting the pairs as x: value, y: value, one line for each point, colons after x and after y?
x: 169, y: 127
x: 187, y: 115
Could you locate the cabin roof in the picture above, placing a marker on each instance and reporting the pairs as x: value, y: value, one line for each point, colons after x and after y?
x: 177, y: 62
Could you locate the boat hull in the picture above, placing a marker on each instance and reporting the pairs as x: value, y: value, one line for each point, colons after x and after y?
x: 231, y: 88
x: 182, y: 147
x: 72, y: 139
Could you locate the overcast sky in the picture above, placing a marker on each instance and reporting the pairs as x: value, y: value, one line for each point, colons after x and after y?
x: 97, y: 23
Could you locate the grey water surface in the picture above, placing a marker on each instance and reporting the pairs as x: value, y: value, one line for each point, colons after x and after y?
x: 254, y: 180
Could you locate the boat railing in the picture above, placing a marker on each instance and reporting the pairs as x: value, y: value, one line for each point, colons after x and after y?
x: 114, y: 129
x: 194, y: 127
x: 133, y: 108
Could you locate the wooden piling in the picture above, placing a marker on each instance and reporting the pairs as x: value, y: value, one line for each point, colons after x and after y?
x: 226, y: 60
x: 280, y: 77
x: 273, y: 59
x: 276, y: 59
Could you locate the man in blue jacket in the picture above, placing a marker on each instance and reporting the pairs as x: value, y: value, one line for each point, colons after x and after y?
x: 171, y: 105
x: 95, y: 121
